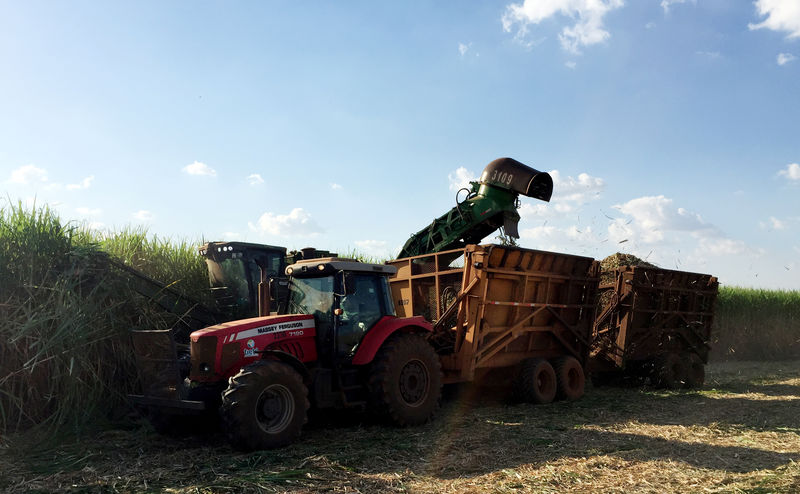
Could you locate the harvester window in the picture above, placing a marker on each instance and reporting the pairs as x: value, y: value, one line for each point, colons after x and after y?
x: 229, y: 283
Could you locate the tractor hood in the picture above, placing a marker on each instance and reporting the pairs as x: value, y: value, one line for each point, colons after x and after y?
x: 247, y: 328
x: 221, y: 350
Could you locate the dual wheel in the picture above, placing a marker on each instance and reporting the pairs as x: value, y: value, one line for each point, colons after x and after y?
x: 540, y: 381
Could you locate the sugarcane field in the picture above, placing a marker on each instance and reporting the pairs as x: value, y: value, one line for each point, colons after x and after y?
x: 207, y: 282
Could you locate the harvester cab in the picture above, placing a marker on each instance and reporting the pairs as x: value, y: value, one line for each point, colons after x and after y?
x: 246, y: 277
x: 488, y: 204
x: 237, y: 272
x: 338, y: 344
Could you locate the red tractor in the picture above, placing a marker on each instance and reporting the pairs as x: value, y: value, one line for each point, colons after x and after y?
x: 337, y: 343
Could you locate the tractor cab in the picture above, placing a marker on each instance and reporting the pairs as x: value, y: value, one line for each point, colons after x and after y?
x: 347, y: 298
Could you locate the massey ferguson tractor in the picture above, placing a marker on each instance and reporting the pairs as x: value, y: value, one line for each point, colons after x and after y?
x: 337, y: 344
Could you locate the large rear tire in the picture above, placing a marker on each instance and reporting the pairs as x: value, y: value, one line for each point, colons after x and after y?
x: 570, y: 378
x: 669, y: 371
x: 405, y: 384
x: 264, y: 407
x: 695, y: 370
x: 535, y: 382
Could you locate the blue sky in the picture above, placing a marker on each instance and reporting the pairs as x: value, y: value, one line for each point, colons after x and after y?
x: 671, y: 127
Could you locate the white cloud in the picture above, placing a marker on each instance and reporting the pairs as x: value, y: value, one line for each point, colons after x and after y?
x: 772, y: 224
x: 570, y: 65
x: 650, y: 25
x: 198, y: 168
x: 461, y: 178
x: 784, y: 58
x: 297, y: 223
x: 336, y: 186
x: 231, y: 236
x: 575, y: 239
x: 652, y: 216
x: 792, y: 172
x: 89, y: 211
x: 665, y: 4
x: 709, y: 54
x: 587, y: 14
x: 464, y: 48
x: 255, y: 179
x: 655, y: 222
x: 781, y: 15
x: 84, y: 184
x: 143, y: 215
x: 720, y: 246
x: 580, y: 189
x: 28, y: 174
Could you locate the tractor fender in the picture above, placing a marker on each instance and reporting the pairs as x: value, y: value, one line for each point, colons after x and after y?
x: 383, y: 329
x: 289, y: 359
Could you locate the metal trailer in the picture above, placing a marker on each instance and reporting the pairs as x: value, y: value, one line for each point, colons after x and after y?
x: 504, y: 315
x: 653, y: 323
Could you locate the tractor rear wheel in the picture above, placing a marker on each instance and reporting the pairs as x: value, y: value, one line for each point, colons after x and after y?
x: 265, y: 406
x: 570, y: 378
x: 695, y: 370
x: 536, y: 381
x: 669, y: 371
x: 405, y: 384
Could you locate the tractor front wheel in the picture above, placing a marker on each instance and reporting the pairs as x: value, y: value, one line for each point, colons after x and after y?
x: 405, y: 384
x: 264, y: 407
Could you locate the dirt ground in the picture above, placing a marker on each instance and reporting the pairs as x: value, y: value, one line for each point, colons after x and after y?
x: 740, y: 433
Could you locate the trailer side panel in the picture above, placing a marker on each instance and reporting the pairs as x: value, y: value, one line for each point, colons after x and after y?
x: 495, y: 306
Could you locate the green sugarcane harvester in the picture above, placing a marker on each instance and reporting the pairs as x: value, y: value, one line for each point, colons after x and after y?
x: 490, y: 203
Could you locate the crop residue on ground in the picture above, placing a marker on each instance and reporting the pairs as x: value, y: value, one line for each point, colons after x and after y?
x: 738, y: 434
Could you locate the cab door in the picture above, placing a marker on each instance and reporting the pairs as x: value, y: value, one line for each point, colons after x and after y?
x: 362, y: 303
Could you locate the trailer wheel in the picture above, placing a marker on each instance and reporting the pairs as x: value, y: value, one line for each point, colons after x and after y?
x: 669, y: 371
x: 695, y: 370
x: 405, y: 384
x: 536, y: 381
x: 570, y: 378
x: 264, y: 407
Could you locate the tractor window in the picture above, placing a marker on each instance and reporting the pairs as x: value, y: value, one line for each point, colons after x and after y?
x: 313, y: 296
x: 361, y: 309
